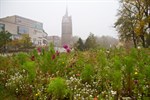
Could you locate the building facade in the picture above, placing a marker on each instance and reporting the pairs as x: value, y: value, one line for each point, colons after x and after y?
x: 55, y: 40
x: 18, y: 25
x: 66, y: 29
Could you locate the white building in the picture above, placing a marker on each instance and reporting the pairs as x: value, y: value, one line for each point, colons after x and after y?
x: 17, y: 26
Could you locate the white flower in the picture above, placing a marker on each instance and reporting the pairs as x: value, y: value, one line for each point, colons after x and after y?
x: 91, y: 96
x: 6, y: 84
x: 107, y: 51
x: 83, y: 98
x: 23, y: 71
x: 75, y: 97
x: 113, y: 92
x: 71, y: 78
x: 139, y: 47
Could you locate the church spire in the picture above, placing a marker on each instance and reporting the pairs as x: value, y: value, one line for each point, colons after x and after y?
x: 66, y: 10
x: 66, y: 7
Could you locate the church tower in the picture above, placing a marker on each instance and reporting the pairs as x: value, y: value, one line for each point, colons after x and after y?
x: 66, y: 29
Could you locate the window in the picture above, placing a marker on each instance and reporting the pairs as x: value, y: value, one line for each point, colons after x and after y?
x: 35, y: 31
x: 38, y: 26
x: 44, y: 42
x: 34, y: 41
x: 39, y: 42
x: 2, y: 27
x: 23, y: 30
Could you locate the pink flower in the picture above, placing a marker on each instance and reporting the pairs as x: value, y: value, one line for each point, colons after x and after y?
x: 65, y: 46
x: 33, y: 58
x: 39, y: 49
x: 136, y: 81
x: 57, y: 53
x: 68, y: 50
x: 53, y: 57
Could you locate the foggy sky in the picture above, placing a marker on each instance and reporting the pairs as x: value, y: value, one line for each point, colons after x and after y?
x: 95, y: 16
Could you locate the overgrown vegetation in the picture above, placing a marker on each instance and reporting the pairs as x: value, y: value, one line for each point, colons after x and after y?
x: 94, y: 74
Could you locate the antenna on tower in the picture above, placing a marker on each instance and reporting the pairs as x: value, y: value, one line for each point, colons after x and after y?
x: 66, y: 7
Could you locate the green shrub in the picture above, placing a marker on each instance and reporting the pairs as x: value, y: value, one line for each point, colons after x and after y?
x: 22, y: 58
x: 30, y: 68
x: 45, y: 61
x: 87, y: 73
x: 58, y: 89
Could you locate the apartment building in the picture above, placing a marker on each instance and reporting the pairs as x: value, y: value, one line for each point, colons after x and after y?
x: 18, y: 25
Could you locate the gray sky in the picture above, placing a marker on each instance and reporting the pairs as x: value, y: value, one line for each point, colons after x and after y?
x: 96, y: 16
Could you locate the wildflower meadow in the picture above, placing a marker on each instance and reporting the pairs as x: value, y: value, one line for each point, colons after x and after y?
x: 99, y: 74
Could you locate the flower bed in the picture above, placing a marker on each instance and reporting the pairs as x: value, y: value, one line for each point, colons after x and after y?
x: 74, y: 75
